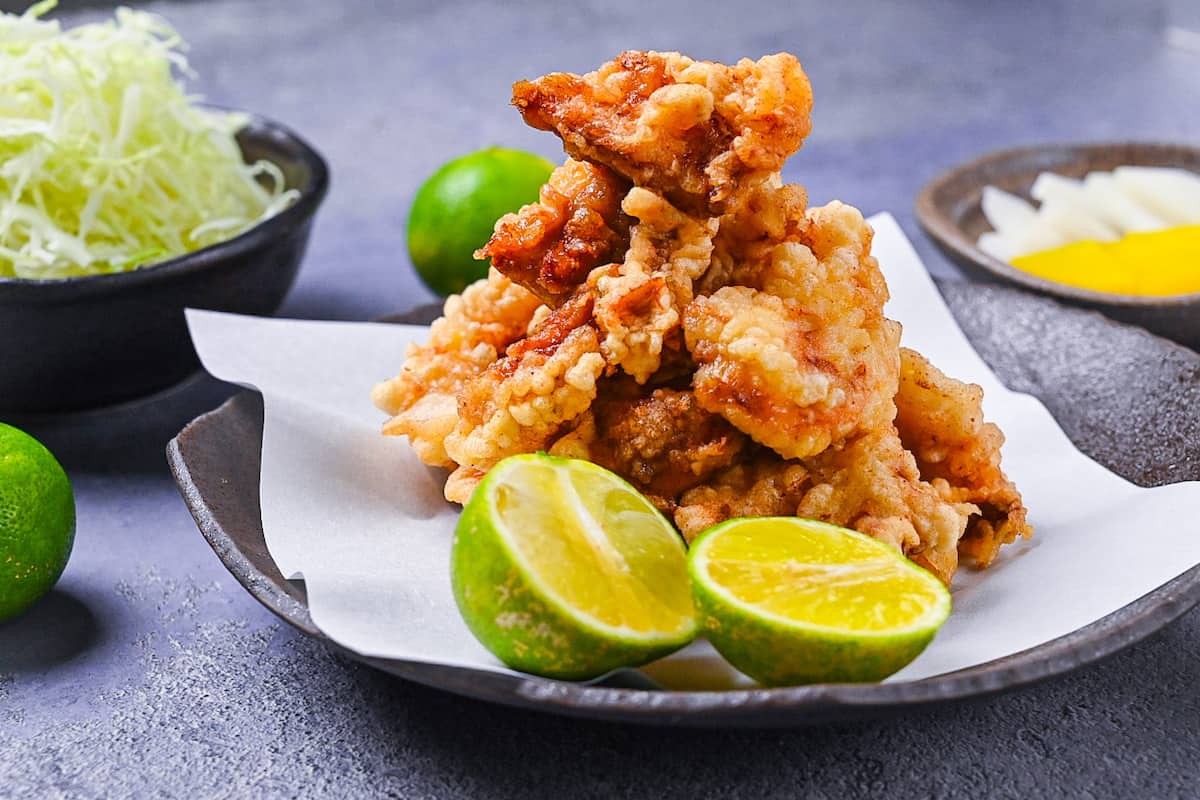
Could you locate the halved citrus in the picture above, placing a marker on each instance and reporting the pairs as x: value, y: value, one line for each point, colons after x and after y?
x: 562, y: 569
x: 791, y: 601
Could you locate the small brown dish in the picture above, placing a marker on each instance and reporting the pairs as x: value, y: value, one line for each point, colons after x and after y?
x: 949, y: 210
x: 93, y: 341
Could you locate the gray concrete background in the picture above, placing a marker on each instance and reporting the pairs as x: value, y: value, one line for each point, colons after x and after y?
x: 148, y: 672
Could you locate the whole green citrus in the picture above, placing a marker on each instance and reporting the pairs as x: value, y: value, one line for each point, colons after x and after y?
x: 455, y: 210
x: 37, y: 521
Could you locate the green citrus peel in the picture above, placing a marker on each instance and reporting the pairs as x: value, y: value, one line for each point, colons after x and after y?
x: 455, y: 211
x: 105, y: 164
x: 37, y: 521
x: 562, y: 569
x: 791, y: 601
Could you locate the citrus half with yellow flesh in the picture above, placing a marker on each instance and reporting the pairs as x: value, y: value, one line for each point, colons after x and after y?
x: 563, y: 569
x: 792, y: 601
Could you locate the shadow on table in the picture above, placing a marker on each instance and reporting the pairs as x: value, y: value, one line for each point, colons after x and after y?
x: 57, y: 629
x: 127, y: 438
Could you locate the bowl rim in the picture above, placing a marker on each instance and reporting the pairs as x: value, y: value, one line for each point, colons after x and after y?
x: 949, y: 233
x: 276, y: 136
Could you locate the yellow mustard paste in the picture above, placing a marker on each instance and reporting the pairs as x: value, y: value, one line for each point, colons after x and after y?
x: 1162, y: 262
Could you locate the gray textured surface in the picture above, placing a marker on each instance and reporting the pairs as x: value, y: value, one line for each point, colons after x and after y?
x: 148, y: 672
x: 1119, y: 400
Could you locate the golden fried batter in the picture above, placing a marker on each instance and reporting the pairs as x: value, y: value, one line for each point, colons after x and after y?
x: 870, y: 484
x: 941, y: 422
x: 522, y: 401
x: 549, y: 247
x: 638, y: 302
x: 799, y: 354
x: 461, y: 483
x: 691, y: 130
x: 660, y: 440
x: 764, y: 214
x: 704, y: 334
x: 764, y: 485
x: 474, y: 329
x: 778, y: 373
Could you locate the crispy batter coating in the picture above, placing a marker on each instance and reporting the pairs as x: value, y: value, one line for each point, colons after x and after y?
x: 461, y: 483
x: 660, y: 439
x: 759, y: 218
x: 776, y: 372
x: 819, y: 257
x: 870, y: 484
x: 799, y: 355
x: 764, y: 485
x: 549, y: 247
x: 521, y: 402
x: 474, y: 329
x: 692, y: 130
x: 941, y: 421
x: 837, y: 278
x: 638, y: 302
x: 674, y: 312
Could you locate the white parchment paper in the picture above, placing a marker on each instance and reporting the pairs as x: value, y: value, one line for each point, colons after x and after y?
x: 363, y: 521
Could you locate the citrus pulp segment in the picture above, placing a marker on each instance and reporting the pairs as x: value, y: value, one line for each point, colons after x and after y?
x: 789, y: 600
x: 562, y: 569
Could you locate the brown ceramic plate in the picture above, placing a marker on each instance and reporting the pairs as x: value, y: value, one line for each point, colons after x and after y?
x: 948, y: 208
x: 1071, y: 359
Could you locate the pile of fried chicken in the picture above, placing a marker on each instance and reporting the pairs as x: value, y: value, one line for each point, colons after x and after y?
x: 673, y: 311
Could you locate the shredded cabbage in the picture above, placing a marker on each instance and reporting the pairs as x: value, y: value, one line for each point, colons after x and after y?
x: 105, y: 163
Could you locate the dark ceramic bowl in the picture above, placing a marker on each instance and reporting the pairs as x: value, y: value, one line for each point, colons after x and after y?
x: 948, y: 208
x: 91, y: 341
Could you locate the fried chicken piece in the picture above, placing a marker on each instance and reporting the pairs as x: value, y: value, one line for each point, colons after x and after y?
x: 660, y: 440
x: 639, y: 302
x: 691, y: 130
x: 941, y: 421
x: 806, y: 359
x: 521, y: 402
x: 703, y: 332
x: 763, y: 486
x: 549, y: 247
x: 776, y: 372
x: 766, y: 210
x: 461, y: 483
x: 824, y: 262
x: 475, y: 327
x: 873, y: 485
x: 837, y: 279
x: 764, y: 214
